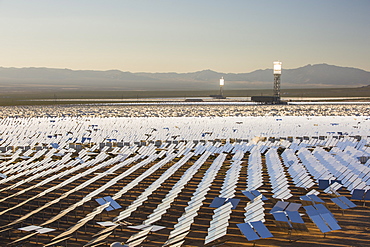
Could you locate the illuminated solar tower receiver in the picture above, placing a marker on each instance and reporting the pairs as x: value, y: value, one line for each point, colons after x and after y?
x: 277, y: 74
x: 222, y: 83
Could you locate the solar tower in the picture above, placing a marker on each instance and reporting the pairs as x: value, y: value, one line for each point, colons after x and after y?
x: 222, y: 83
x: 277, y: 74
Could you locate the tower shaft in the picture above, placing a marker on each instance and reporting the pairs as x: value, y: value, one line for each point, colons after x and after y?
x: 277, y: 85
x: 222, y: 91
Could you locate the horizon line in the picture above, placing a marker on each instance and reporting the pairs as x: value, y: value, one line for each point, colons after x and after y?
x: 168, y: 72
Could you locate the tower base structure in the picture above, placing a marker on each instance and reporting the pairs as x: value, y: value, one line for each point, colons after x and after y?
x: 268, y: 100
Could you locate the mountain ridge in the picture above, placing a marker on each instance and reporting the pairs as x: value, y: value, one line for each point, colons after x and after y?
x: 316, y: 75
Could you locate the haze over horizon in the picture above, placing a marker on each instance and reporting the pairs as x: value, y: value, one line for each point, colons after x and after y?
x: 184, y: 72
x: 167, y: 36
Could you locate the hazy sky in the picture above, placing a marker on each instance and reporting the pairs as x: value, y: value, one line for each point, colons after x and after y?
x: 183, y: 36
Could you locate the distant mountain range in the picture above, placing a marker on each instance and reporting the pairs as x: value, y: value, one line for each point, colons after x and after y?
x: 318, y: 75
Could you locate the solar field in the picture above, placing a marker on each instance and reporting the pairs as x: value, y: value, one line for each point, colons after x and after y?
x: 185, y: 181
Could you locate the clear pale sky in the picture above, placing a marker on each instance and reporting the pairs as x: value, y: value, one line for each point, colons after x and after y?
x: 183, y: 36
